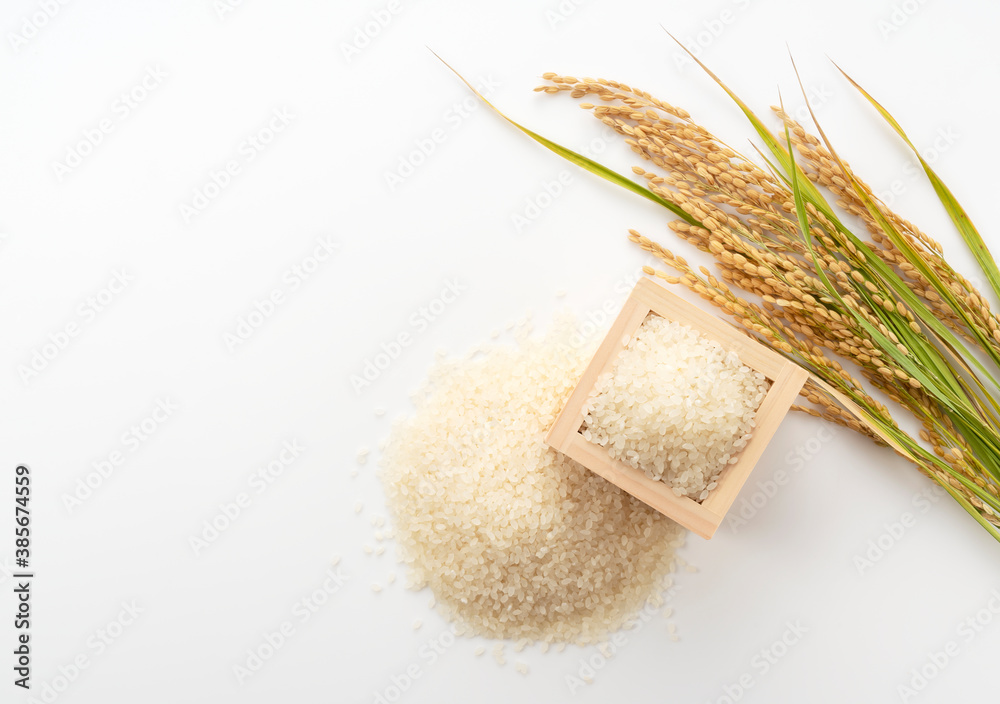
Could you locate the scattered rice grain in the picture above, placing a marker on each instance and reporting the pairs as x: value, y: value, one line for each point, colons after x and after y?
x: 516, y: 540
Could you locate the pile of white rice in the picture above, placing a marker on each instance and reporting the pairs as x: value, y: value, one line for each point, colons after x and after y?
x: 676, y: 405
x: 514, y: 539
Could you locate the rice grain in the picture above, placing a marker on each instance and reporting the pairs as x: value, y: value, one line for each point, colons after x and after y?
x: 676, y: 405
x: 515, y: 540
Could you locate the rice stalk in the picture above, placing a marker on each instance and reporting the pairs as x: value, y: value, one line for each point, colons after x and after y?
x: 879, y: 308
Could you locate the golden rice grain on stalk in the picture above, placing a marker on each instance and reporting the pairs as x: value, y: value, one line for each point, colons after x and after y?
x: 822, y: 286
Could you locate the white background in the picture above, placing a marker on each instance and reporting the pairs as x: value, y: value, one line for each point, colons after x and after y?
x: 353, y: 118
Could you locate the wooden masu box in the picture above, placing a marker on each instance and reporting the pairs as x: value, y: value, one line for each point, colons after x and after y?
x: 786, y: 380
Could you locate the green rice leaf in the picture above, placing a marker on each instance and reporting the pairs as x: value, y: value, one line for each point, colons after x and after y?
x: 944, y: 385
x: 951, y: 205
x: 949, y: 341
x: 782, y: 155
x: 914, y: 453
x: 955, y: 401
x: 812, y: 195
x: 582, y: 161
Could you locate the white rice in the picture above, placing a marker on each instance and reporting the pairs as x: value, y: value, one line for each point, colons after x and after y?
x: 676, y: 405
x: 514, y: 539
